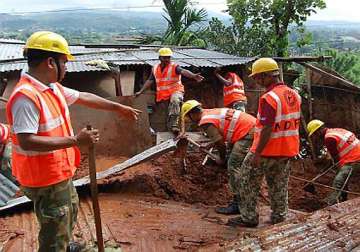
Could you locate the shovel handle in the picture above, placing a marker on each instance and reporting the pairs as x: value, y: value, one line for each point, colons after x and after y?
x: 210, y: 154
x: 94, y: 196
x: 321, y: 174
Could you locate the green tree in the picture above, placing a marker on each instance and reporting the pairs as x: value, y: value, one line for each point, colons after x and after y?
x: 183, y: 25
x: 263, y: 26
x: 345, y: 63
x: 181, y: 17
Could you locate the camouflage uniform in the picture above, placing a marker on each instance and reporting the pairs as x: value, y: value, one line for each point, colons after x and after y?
x: 236, y: 158
x: 239, y: 105
x: 339, y: 180
x: 6, y: 162
x: 249, y: 179
x: 176, y: 100
x: 56, y: 208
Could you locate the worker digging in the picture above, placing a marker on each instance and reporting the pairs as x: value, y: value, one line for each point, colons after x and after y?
x: 344, y: 148
x: 224, y: 125
x: 156, y: 203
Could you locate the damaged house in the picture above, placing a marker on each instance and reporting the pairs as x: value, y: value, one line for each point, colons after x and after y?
x: 149, y: 202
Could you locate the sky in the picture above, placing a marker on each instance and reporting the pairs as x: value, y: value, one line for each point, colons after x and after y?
x: 337, y: 10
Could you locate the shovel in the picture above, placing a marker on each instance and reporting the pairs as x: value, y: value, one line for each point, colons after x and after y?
x: 94, y: 196
x: 309, y: 187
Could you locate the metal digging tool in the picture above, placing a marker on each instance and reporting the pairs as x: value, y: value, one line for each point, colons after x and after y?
x: 309, y: 187
x: 94, y: 196
x: 210, y: 154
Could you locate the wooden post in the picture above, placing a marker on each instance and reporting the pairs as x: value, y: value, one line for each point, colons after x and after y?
x: 115, y: 72
x: 308, y: 82
x: 281, y: 71
x: 3, y: 84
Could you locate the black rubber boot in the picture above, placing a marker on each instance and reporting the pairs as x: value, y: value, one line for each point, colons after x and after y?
x: 238, y: 222
x: 232, y: 208
x: 74, y: 247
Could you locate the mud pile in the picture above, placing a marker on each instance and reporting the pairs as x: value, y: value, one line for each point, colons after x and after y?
x: 165, y: 177
x: 301, y: 200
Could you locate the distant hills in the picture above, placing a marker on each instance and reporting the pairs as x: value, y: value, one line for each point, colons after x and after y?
x: 98, y: 24
x: 90, y: 21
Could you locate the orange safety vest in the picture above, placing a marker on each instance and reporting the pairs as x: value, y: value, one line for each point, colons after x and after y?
x: 4, y: 133
x: 347, y: 144
x: 234, y: 92
x: 167, y: 81
x: 43, y: 168
x: 284, y: 140
x: 232, y: 124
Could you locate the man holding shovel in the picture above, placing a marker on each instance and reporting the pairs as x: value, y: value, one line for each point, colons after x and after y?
x: 224, y: 125
x: 344, y: 148
x: 45, y: 150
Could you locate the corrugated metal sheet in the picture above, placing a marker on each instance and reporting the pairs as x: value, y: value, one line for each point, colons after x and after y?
x: 335, y: 228
x: 11, y: 51
x: 7, y: 190
x: 15, y: 51
x: 184, y: 57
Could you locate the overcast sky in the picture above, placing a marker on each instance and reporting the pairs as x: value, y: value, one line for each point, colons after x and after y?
x: 345, y: 10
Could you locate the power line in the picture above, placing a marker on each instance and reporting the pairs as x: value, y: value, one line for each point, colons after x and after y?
x: 99, y: 8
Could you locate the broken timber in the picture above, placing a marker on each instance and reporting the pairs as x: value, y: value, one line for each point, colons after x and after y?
x: 148, y: 154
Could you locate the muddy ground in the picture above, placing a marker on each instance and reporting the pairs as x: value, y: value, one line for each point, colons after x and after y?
x: 160, y: 206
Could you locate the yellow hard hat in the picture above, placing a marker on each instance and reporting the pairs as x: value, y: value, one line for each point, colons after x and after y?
x: 263, y: 65
x: 188, y: 106
x: 49, y: 41
x: 313, y: 126
x: 165, y: 52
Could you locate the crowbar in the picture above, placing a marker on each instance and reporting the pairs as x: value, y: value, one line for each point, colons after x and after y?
x: 94, y: 196
x: 309, y: 187
x: 207, y: 157
x: 210, y: 154
x: 344, y: 185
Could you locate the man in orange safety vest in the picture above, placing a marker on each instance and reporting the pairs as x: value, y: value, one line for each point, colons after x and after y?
x: 276, y: 141
x: 344, y: 148
x: 167, y: 77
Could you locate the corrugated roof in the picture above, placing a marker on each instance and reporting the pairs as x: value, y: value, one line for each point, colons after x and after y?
x: 335, y: 228
x: 8, y: 190
x: 9, y: 50
x: 12, y: 54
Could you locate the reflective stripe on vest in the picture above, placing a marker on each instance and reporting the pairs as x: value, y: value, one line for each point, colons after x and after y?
x: 43, y: 168
x: 19, y: 150
x: 280, y: 117
x: 167, y: 83
x: 227, y: 120
x: 284, y: 139
x: 234, y: 92
x: 343, y: 136
x: 4, y: 133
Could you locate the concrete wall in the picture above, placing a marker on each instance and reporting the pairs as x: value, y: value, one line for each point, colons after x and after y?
x: 119, y: 137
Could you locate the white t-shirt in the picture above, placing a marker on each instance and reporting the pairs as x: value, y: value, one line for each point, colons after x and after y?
x: 26, y: 115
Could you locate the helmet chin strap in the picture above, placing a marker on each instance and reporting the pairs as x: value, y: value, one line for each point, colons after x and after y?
x: 58, y: 69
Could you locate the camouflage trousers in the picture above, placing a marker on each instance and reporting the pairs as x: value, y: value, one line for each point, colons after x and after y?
x: 249, y: 179
x: 56, y: 208
x: 339, y: 180
x: 6, y: 162
x: 239, y: 105
x: 236, y: 158
x: 174, y: 108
